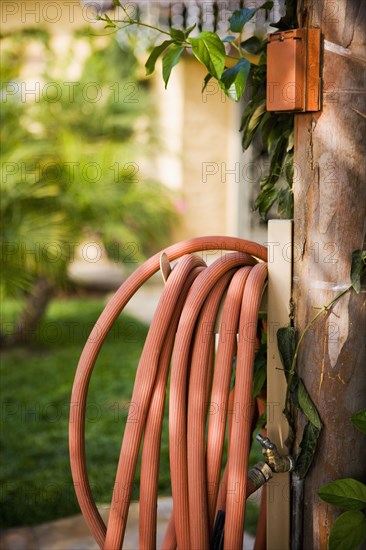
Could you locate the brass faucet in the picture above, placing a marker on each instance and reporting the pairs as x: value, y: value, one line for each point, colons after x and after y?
x: 278, y: 463
x: 275, y: 463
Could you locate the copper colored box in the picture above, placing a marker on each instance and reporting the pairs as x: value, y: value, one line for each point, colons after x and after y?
x: 293, y: 70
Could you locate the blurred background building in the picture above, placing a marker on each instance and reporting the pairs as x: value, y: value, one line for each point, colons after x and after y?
x: 200, y: 155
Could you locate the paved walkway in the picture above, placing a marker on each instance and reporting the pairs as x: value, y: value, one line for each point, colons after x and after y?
x: 73, y: 533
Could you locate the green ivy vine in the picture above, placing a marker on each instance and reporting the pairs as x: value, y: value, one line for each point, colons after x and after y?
x: 297, y: 396
x: 243, y: 68
x: 349, y: 529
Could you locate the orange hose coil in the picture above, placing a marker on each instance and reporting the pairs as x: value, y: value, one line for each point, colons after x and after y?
x: 182, y: 333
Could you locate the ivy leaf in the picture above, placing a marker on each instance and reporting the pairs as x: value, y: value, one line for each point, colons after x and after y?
x: 170, y: 59
x: 357, y: 269
x: 235, y: 79
x: 290, y: 144
x: 248, y: 136
x: 189, y: 30
x: 269, y: 193
x: 206, y: 80
x: 209, y: 50
x: 247, y: 113
x: 279, y: 131
x: 348, y: 531
x: 279, y: 153
x: 252, y: 44
x: 346, y: 493
x: 308, y: 447
x: 265, y: 199
x: 285, y: 203
x: 266, y: 126
x: 177, y: 35
x: 289, y: 168
x: 286, y: 342
x: 266, y: 6
x: 242, y: 16
x: 358, y: 419
x: 252, y: 123
x: 153, y: 57
x: 293, y: 389
x: 307, y: 406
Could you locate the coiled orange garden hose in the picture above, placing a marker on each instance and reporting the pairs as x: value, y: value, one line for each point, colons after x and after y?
x: 182, y: 334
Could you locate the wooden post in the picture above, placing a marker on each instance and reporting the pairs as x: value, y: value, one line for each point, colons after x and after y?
x: 278, y: 311
x: 329, y: 223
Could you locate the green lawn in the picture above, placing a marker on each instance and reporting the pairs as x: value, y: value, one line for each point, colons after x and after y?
x: 36, y: 484
x: 36, y: 386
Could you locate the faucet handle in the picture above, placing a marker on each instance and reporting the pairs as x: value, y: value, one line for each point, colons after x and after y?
x: 265, y: 442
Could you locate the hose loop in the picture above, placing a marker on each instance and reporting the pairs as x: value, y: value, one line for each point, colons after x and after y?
x: 182, y: 341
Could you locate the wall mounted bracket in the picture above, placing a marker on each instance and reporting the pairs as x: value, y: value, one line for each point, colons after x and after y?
x: 293, y: 70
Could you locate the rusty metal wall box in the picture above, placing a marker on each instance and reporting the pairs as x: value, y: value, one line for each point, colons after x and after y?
x: 293, y: 70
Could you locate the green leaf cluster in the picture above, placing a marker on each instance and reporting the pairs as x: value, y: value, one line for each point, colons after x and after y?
x: 276, y: 132
x: 209, y: 49
x: 349, y: 529
x: 235, y: 78
x: 233, y: 72
x: 173, y: 48
x: 300, y: 398
x: 296, y: 394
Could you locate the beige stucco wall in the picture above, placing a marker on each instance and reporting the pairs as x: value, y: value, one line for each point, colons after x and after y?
x: 200, y: 145
x: 207, y: 125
